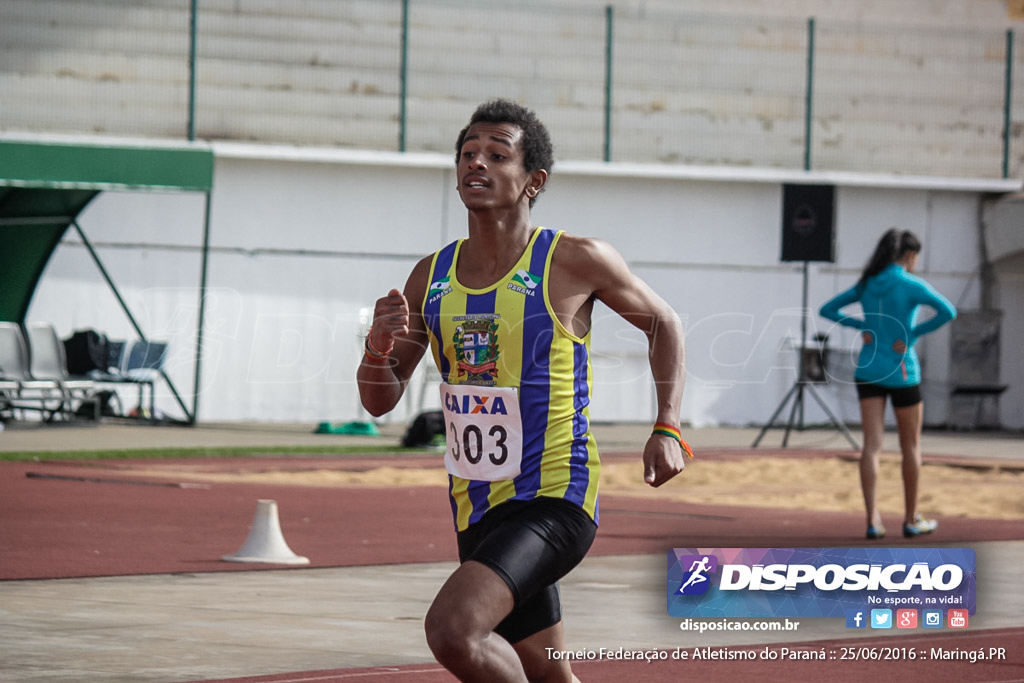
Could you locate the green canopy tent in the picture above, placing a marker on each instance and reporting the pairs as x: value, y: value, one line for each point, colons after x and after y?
x: 44, y: 186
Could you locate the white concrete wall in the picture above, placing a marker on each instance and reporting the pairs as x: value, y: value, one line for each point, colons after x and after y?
x: 304, y: 240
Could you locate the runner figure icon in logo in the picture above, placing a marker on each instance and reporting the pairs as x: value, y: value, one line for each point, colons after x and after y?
x: 697, y: 570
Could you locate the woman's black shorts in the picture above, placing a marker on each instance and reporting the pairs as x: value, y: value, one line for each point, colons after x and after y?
x: 902, y: 397
x: 531, y: 545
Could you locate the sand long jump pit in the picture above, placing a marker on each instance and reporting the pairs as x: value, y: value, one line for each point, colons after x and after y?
x: 823, y: 482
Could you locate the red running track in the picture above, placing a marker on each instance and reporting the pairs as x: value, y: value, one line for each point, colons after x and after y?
x: 104, y: 518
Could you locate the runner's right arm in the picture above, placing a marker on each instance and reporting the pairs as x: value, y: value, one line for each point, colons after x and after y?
x: 399, y: 334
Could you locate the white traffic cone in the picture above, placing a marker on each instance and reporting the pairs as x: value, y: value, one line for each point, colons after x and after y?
x: 266, y: 542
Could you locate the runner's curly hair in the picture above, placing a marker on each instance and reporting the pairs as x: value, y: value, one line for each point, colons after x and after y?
x: 538, y: 152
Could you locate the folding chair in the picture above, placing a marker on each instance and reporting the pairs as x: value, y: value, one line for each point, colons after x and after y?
x: 8, y: 392
x: 29, y: 392
x: 48, y: 362
x: 142, y: 364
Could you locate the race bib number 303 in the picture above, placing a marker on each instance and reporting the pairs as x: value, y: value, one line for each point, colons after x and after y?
x: 484, y: 432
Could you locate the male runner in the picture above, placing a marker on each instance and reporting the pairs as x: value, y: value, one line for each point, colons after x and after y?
x: 506, y: 314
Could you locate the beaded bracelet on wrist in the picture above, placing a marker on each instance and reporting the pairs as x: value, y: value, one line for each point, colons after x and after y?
x: 372, y: 354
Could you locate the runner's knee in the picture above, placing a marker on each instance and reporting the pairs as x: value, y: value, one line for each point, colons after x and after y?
x: 445, y: 639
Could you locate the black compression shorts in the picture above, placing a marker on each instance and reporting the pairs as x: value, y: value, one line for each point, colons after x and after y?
x: 530, y: 545
x: 902, y: 397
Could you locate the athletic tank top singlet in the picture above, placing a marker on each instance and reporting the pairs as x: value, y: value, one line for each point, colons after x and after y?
x: 507, y: 335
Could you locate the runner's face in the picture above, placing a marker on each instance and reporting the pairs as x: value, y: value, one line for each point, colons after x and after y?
x: 491, y: 171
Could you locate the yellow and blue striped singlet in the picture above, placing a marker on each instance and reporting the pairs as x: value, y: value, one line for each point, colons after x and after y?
x: 507, y: 335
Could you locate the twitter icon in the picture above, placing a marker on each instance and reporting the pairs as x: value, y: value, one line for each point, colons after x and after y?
x: 881, y: 618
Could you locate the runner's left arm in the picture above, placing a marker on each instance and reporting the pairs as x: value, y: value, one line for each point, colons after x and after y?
x: 633, y: 299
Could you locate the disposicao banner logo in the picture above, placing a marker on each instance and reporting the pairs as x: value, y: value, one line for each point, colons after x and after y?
x: 817, y: 582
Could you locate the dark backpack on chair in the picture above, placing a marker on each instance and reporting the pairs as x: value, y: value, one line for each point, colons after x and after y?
x: 85, y: 351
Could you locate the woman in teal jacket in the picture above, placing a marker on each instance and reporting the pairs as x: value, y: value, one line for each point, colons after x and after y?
x: 890, y: 297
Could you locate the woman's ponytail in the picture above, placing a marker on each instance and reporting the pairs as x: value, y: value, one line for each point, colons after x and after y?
x: 893, y: 246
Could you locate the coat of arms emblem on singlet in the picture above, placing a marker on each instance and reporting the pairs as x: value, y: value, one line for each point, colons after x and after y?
x: 476, y: 350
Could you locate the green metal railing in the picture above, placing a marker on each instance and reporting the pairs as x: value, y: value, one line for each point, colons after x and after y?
x: 609, y: 44
x: 609, y: 82
x: 809, y: 96
x: 613, y: 83
x: 1008, y: 104
x: 403, y: 97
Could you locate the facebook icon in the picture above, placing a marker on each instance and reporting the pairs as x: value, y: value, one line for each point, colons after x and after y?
x: 855, y: 618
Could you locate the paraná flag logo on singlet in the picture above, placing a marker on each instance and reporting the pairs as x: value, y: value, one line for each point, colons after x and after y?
x: 439, y: 288
x: 524, y: 282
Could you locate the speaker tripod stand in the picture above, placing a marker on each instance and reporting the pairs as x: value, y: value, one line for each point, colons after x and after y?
x: 805, y: 384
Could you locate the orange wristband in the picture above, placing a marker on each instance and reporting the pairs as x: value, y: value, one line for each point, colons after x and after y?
x: 673, y: 433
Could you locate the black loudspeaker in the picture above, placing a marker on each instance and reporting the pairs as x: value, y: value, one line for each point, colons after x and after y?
x: 808, y: 223
x: 814, y: 364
